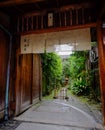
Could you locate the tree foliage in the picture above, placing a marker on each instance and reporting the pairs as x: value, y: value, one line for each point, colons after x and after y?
x: 66, y: 68
x: 52, y: 71
x: 75, y: 67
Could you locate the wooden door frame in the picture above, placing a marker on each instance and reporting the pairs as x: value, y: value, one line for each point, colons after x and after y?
x: 101, y: 50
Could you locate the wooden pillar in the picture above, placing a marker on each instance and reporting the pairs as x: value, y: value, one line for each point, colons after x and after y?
x: 101, y: 49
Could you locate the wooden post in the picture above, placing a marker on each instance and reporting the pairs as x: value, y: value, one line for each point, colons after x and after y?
x: 101, y: 49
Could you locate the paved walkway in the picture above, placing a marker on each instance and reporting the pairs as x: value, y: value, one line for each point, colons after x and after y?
x: 58, y: 114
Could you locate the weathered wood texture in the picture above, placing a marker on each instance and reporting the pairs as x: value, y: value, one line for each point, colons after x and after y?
x: 101, y: 49
x: 27, y: 81
x: 4, y: 45
x: 36, y: 77
x: 67, y: 17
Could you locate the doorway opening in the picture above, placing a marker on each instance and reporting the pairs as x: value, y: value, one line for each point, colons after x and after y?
x: 80, y: 72
x: 77, y: 44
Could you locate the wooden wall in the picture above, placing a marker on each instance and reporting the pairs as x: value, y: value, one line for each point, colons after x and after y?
x: 4, y: 45
x: 28, y: 81
x: 25, y: 80
x: 69, y: 16
x: 37, y: 77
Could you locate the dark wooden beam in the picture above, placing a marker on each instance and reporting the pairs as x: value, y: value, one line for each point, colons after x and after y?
x: 61, y: 9
x: 17, y: 2
x: 58, y: 29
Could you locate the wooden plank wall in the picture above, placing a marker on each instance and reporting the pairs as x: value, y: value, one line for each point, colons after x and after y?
x: 36, y: 77
x: 25, y: 80
x: 4, y: 45
x: 64, y: 17
x: 28, y: 79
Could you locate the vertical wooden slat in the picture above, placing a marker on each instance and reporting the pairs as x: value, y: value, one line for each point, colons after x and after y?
x: 54, y: 21
x: 27, y: 26
x: 71, y: 21
x: 77, y: 16
x: 42, y: 22
x: 36, y: 22
x: 18, y: 25
x: 32, y: 23
x: 65, y: 18
x: 83, y: 20
x: 22, y: 24
x: 36, y: 77
x: 60, y: 19
x: 17, y: 81
x: 101, y: 50
x: 25, y: 80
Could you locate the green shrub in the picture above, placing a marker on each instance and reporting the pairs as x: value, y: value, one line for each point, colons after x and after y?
x: 80, y: 87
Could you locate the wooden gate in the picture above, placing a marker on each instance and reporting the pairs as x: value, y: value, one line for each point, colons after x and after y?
x: 28, y: 81
x: 25, y: 81
x: 36, y: 89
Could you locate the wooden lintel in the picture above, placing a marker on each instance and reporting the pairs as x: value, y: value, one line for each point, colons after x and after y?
x: 59, y: 29
x: 17, y: 2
